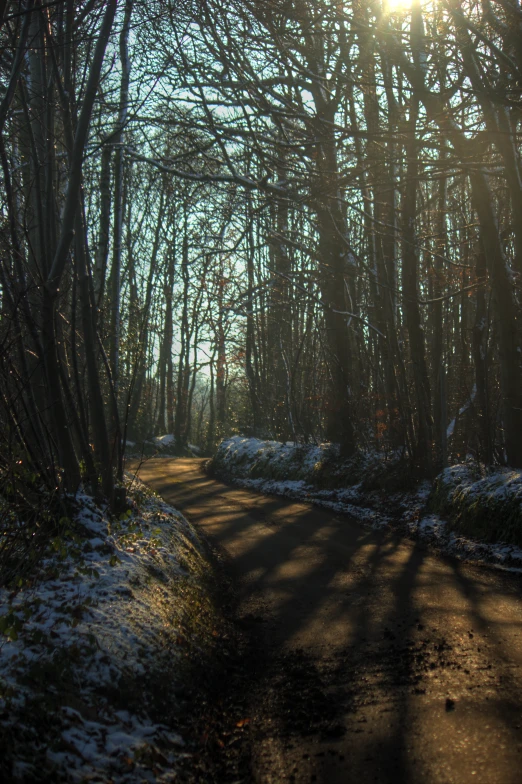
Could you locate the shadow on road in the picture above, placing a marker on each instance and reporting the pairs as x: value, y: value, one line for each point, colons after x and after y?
x: 370, y: 660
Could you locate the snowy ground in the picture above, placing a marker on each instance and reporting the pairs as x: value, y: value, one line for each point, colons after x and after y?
x: 96, y: 641
x: 161, y: 446
x: 288, y: 470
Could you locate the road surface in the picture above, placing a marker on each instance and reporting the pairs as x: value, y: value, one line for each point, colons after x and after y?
x: 371, y: 659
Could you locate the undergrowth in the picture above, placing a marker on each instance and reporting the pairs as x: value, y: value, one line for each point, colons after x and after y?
x: 320, y: 466
x: 104, y: 635
x: 483, y: 505
x: 33, y: 520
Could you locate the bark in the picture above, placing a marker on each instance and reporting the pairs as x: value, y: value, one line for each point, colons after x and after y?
x: 117, y: 239
x: 102, y: 250
x: 180, y: 422
x: 17, y: 62
x: 250, y: 343
x: 410, y: 263
x: 380, y: 220
x: 498, y: 126
x: 211, y: 430
x: 439, y: 371
x: 480, y: 357
x: 497, y: 264
x: 337, y: 269
x: 134, y: 427
x: 95, y: 396
x: 279, y: 316
x: 76, y: 162
x: 115, y: 276
x: 506, y: 318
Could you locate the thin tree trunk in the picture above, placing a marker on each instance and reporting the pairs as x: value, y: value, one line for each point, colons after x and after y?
x: 115, y: 276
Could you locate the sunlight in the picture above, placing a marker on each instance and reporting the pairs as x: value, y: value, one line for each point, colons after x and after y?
x: 404, y: 7
x: 397, y: 6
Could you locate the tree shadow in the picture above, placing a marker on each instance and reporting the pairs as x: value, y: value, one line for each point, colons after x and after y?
x: 361, y: 666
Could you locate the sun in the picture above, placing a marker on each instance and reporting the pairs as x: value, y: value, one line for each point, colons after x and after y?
x: 396, y: 6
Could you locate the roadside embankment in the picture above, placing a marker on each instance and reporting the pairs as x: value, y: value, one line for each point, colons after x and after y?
x: 467, y: 511
x: 482, y: 504
x: 99, y: 643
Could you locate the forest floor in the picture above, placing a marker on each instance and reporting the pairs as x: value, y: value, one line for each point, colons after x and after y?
x: 104, y: 643
x: 355, y: 653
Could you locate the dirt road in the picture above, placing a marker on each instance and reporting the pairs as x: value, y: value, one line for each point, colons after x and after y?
x: 371, y: 659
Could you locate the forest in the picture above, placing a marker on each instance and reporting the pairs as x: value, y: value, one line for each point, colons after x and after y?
x: 291, y: 220
x: 278, y: 245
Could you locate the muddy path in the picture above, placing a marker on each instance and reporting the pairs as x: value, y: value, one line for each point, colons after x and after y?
x: 364, y: 657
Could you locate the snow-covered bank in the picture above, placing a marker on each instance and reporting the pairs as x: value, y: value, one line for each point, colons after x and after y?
x: 159, y: 446
x: 97, y: 644
x: 484, y: 504
x: 441, y: 515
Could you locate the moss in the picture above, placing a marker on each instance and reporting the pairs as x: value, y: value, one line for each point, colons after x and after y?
x: 473, y: 507
x: 489, y: 519
x: 330, y: 472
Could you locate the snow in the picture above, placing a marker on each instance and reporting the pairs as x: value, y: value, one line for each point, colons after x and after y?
x: 249, y: 454
x: 103, y: 612
x: 168, y: 440
x: 165, y: 440
x: 99, y: 747
x: 451, y: 427
x: 501, y: 555
x: 287, y: 470
x: 496, y: 486
x: 242, y: 458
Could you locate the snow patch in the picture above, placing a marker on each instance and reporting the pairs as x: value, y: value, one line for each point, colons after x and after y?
x: 105, y: 611
x: 288, y: 470
x: 165, y: 440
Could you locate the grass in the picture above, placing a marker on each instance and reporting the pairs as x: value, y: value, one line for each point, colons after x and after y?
x: 480, y: 505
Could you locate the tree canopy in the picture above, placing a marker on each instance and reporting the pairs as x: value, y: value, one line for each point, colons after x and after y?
x: 296, y: 220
